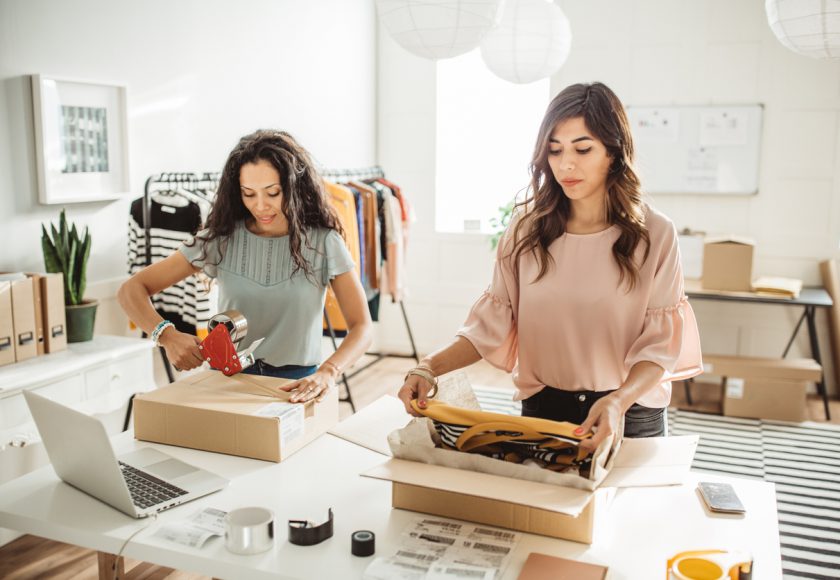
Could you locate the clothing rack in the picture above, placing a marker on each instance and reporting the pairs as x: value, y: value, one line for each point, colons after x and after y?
x: 359, y: 174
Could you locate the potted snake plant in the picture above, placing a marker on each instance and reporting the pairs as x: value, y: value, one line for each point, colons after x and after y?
x: 67, y: 252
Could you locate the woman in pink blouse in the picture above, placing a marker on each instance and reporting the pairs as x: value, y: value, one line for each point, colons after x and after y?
x: 586, y: 307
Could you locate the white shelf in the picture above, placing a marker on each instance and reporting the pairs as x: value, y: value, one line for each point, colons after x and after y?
x: 79, y: 356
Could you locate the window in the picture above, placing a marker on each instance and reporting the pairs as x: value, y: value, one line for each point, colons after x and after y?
x: 486, y: 130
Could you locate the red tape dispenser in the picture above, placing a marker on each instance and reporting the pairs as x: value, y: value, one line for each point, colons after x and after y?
x: 219, y: 348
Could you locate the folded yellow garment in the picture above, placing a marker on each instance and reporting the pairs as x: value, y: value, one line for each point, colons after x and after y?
x: 507, y: 437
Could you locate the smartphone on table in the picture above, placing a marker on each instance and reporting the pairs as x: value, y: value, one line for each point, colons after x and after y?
x: 720, y: 497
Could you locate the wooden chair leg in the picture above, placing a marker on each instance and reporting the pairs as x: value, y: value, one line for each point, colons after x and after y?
x: 110, y: 567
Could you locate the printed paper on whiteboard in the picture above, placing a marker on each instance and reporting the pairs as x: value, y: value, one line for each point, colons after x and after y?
x: 721, y: 128
x: 655, y: 125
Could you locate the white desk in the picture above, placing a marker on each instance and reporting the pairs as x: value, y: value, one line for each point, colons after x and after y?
x: 644, y: 526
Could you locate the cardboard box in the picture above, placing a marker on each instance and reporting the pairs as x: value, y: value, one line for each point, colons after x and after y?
x: 54, y: 315
x: 727, y: 263
x: 529, y: 506
x: 232, y: 415
x: 7, y: 329
x: 764, y: 388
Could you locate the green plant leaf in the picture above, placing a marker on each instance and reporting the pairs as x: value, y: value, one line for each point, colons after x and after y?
x: 70, y: 277
x: 62, y: 228
x: 67, y: 253
x: 81, y: 265
x: 51, y: 262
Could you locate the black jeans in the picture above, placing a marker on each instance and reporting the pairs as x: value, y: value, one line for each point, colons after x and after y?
x: 293, y: 372
x: 574, y: 406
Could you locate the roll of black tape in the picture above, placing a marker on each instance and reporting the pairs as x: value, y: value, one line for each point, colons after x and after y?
x: 363, y: 543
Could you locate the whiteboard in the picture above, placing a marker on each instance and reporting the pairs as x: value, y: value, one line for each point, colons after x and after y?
x: 694, y: 149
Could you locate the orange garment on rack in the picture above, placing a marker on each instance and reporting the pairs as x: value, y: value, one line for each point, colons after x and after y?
x: 345, y: 206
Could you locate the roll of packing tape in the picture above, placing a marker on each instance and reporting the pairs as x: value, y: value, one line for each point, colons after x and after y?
x: 249, y: 530
x: 362, y: 543
x: 236, y: 324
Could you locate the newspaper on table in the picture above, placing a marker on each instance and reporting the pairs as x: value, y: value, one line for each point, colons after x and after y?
x: 440, y: 549
x: 195, y: 530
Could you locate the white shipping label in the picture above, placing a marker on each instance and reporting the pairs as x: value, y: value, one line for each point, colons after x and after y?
x: 734, y: 388
x: 195, y: 530
x: 290, y: 416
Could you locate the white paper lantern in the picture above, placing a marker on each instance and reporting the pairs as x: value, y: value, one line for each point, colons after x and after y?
x: 808, y: 27
x: 531, y: 41
x: 438, y: 28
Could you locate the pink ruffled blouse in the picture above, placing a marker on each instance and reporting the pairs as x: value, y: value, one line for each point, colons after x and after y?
x: 576, y: 329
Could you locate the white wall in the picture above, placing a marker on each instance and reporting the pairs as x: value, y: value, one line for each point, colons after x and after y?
x: 651, y: 52
x: 200, y: 74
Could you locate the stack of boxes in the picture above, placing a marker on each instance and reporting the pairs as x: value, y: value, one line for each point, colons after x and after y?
x: 762, y: 388
x: 32, y: 319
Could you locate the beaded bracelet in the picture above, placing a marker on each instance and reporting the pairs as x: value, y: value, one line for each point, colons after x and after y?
x: 425, y: 373
x: 162, y: 325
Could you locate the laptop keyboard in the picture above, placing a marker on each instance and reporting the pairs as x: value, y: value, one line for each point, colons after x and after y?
x: 147, y: 490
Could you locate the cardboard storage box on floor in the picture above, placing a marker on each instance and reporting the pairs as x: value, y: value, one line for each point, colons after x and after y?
x: 764, y: 388
x: 727, y: 263
x: 530, y: 506
x: 212, y: 412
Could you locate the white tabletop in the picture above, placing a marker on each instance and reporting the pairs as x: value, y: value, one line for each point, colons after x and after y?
x: 642, y: 528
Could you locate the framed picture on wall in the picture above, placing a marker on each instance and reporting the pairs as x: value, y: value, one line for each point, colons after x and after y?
x: 81, y: 140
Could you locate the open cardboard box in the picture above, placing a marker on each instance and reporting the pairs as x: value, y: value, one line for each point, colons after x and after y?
x: 549, y: 509
x: 233, y: 415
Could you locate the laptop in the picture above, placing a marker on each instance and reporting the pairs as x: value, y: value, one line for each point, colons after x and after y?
x: 140, y: 483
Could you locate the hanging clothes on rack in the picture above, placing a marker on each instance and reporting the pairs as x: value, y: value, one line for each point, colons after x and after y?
x: 393, y: 279
x: 344, y: 203
x: 381, y: 215
x: 175, y: 212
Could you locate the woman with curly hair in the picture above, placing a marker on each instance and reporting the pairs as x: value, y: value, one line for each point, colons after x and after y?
x: 273, y: 243
x: 586, y: 306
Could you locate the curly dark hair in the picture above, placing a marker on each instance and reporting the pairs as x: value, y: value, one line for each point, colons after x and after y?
x: 545, y: 212
x: 305, y: 202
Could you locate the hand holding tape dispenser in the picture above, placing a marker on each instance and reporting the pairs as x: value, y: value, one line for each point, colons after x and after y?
x: 219, y: 348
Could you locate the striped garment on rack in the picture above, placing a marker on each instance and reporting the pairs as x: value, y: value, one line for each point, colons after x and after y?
x: 186, y: 304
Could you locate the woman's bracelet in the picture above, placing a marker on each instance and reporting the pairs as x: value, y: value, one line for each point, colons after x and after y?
x: 425, y: 373
x: 333, y: 366
x: 162, y: 325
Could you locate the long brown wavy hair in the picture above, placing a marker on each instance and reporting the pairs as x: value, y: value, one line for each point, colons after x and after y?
x: 544, y: 214
x: 305, y: 202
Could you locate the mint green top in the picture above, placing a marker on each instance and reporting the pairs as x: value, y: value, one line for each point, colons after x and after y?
x: 255, y: 277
